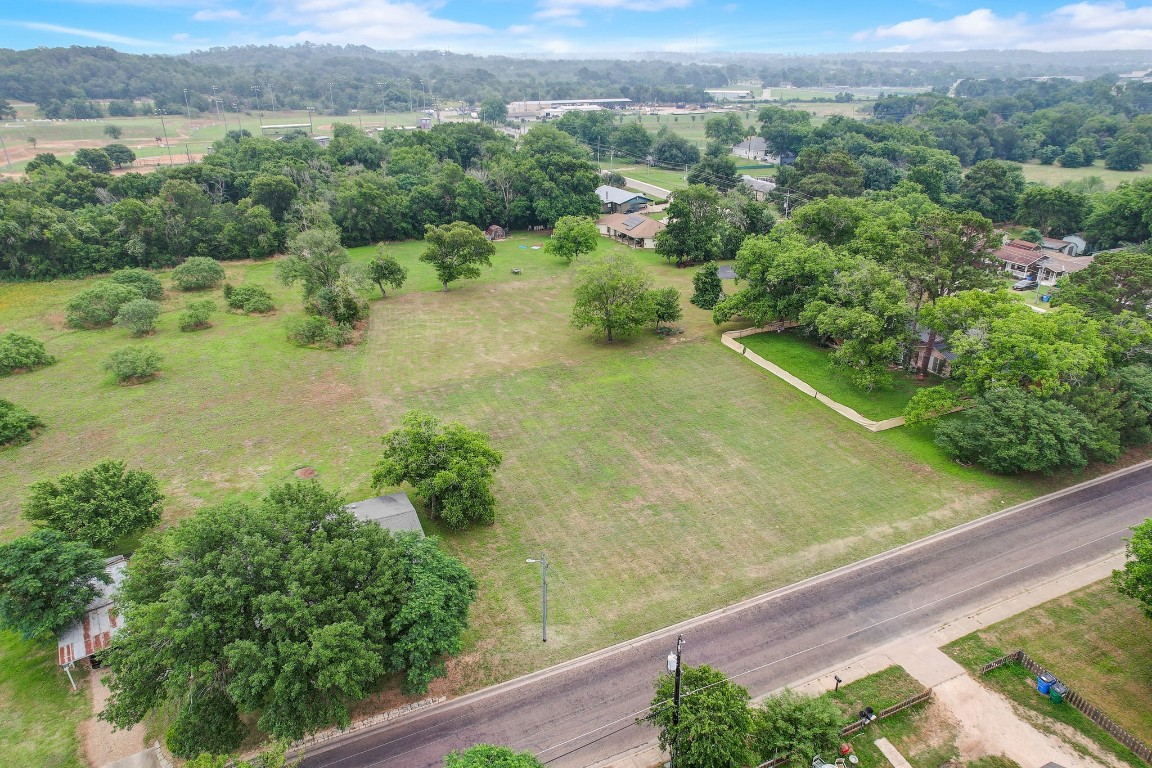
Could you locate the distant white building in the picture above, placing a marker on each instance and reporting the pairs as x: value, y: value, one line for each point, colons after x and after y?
x: 728, y: 94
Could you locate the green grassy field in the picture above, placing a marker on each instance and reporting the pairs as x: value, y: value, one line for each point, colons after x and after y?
x: 1054, y: 175
x: 195, y: 136
x: 1094, y: 640
x: 662, y: 477
x: 804, y: 358
x: 41, y: 713
x: 670, y: 180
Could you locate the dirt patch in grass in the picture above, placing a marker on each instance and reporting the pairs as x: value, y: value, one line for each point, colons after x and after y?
x: 305, y: 473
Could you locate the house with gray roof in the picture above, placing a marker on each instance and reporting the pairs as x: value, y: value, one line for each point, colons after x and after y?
x: 616, y: 200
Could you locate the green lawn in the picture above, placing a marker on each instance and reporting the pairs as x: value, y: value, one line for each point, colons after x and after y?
x: 1054, y: 175
x: 1095, y: 640
x: 41, y: 712
x: 804, y: 358
x: 661, y: 177
x: 906, y: 730
x: 662, y: 477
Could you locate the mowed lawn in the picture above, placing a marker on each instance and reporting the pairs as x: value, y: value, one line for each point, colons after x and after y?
x: 804, y: 358
x: 1095, y: 640
x: 661, y: 477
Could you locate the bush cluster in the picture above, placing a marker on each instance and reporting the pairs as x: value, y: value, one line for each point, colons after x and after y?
x: 198, y: 273
x: 315, y: 331
x: 22, y: 353
x: 16, y: 424
x: 134, y: 365
x: 142, y: 280
x: 97, y: 305
x: 138, y: 316
x: 248, y: 298
x: 196, y: 314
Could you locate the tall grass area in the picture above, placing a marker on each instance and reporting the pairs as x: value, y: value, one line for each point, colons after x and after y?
x: 661, y: 477
x: 1055, y: 175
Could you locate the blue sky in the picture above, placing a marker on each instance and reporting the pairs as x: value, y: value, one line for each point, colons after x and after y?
x: 575, y: 27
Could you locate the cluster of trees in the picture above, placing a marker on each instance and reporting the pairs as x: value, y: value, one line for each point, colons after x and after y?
x: 716, y: 728
x: 71, y: 82
x: 614, y: 296
x: 449, y: 465
x: 848, y: 158
x: 1047, y: 391
x: 856, y: 271
x: 48, y: 577
x: 1060, y: 121
x: 289, y: 607
x: 252, y: 195
x: 704, y: 224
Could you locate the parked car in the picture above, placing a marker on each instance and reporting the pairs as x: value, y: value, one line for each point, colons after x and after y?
x: 1027, y: 284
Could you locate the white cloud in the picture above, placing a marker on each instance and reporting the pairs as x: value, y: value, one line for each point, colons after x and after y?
x: 373, y: 22
x: 567, y: 12
x: 1084, y: 26
x: 181, y: 36
x: 91, y: 34
x: 222, y: 14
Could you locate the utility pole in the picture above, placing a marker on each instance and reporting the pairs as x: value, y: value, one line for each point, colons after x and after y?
x: 332, y: 97
x: 383, y: 103
x: 215, y: 102
x: 187, y: 106
x: 674, y: 668
x: 543, y: 596
x: 272, y: 90
x: 256, y: 90
x: 6, y: 158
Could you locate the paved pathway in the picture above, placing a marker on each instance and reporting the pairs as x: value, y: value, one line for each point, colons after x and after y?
x: 728, y: 339
x: 583, y: 712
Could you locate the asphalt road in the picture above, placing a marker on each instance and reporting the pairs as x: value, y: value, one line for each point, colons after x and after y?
x: 584, y: 711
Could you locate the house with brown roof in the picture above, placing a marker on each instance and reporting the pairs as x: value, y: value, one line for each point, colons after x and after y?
x: 631, y: 229
x: 1020, y: 257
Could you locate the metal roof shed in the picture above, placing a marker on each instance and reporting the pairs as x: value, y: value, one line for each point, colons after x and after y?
x: 393, y: 512
x: 93, y: 632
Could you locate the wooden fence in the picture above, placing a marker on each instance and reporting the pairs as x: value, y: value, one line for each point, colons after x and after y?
x: 859, y: 725
x: 1087, y: 708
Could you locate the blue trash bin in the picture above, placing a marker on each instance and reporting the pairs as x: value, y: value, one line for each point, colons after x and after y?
x: 1044, y: 683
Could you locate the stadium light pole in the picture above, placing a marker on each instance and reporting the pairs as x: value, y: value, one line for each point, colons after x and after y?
x: 543, y: 596
x: 187, y: 106
x: 383, y: 104
x: 332, y: 97
x: 164, y: 128
x: 256, y: 90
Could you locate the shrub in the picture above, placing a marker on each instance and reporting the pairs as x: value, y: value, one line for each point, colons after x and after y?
x: 209, y: 722
x: 16, y: 424
x: 134, y: 365
x: 315, y: 331
x: 197, y: 274
x: 96, y: 306
x: 142, y: 280
x: 249, y: 298
x: 22, y: 353
x: 196, y: 314
x: 138, y: 316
